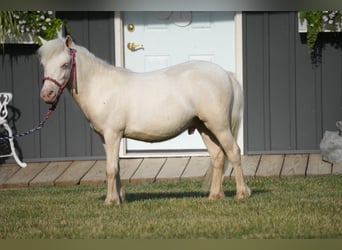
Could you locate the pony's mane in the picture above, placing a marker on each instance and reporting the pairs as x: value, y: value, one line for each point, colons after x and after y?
x: 54, y: 47
x: 50, y: 49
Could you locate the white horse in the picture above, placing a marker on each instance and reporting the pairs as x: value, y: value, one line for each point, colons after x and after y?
x: 151, y: 107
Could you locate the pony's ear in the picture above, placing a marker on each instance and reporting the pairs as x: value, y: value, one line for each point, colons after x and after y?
x: 68, y: 41
x: 60, y: 34
x: 42, y: 40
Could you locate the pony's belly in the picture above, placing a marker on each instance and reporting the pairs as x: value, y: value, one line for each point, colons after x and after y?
x: 147, y: 136
x: 161, y: 133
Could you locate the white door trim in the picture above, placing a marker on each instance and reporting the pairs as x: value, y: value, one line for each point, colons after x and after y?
x: 119, y: 58
x: 118, y: 39
x: 119, y: 62
x: 239, y: 66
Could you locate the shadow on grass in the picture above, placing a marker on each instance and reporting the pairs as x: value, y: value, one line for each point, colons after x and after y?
x: 141, y: 196
x: 131, y: 197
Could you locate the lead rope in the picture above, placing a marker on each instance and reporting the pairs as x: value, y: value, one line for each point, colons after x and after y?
x: 36, y: 128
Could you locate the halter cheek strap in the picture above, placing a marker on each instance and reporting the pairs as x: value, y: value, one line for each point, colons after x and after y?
x: 73, y: 68
x: 62, y: 86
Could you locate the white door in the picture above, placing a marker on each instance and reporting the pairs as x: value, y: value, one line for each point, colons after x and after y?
x: 155, y: 40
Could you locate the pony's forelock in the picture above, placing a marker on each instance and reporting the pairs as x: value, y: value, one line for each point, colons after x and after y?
x: 50, y: 49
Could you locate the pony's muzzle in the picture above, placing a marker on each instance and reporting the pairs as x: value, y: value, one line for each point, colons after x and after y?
x: 48, y: 95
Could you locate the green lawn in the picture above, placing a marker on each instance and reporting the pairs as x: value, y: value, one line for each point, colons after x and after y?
x: 292, y: 207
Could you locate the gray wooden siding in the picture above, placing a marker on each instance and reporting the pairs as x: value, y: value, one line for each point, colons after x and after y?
x: 290, y: 101
x: 67, y: 134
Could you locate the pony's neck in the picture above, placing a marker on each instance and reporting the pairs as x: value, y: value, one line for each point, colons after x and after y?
x: 88, y: 68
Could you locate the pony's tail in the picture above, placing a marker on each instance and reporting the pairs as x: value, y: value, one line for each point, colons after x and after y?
x: 235, y: 117
x: 236, y: 112
x: 235, y: 121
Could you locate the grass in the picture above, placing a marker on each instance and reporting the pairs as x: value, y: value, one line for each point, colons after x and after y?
x: 292, y: 207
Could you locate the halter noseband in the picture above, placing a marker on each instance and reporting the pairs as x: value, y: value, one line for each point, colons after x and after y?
x: 62, y: 86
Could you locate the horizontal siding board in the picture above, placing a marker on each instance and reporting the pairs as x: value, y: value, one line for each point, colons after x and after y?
x: 148, y: 170
x: 96, y: 175
x: 249, y: 165
x: 7, y: 172
x: 49, y: 174
x: 23, y: 177
x: 316, y: 166
x: 337, y: 168
x: 173, y: 169
x: 128, y: 167
x: 196, y: 168
x: 295, y: 165
x: 74, y: 173
x: 270, y: 165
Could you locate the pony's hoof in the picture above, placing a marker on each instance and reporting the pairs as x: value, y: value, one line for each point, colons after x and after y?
x: 122, y: 195
x: 216, y: 196
x: 244, y: 193
x: 109, y: 202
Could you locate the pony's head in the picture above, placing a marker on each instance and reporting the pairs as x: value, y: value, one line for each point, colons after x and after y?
x: 57, y: 60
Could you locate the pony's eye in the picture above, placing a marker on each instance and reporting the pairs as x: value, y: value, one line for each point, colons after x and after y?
x: 65, y: 65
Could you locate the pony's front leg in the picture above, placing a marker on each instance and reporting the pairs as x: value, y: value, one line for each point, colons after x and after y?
x: 115, y: 192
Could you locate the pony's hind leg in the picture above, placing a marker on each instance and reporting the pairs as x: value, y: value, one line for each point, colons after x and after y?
x: 232, y: 150
x: 217, y: 158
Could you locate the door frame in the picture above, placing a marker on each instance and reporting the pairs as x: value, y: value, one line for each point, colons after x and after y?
x: 120, y: 62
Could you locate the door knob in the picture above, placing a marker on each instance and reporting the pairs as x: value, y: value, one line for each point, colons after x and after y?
x: 133, y: 47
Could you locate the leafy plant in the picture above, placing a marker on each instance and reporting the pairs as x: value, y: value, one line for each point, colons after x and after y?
x: 13, y: 24
x: 7, y: 22
x: 317, y: 21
